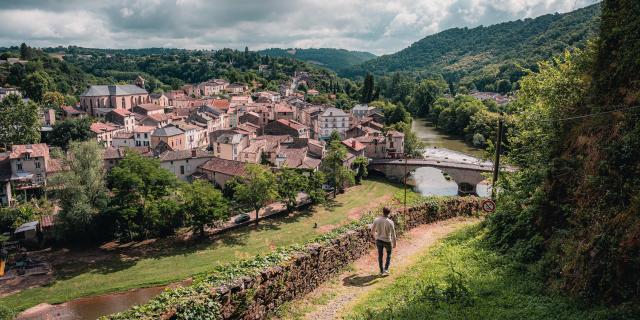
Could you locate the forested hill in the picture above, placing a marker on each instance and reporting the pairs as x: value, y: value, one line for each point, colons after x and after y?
x: 334, y: 59
x: 477, y: 55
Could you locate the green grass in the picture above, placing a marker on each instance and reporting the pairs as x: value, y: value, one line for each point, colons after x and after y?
x: 460, y: 278
x: 176, y: 264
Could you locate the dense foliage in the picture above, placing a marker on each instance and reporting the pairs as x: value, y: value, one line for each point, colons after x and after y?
x: 334, y: 59
x: 573, y: 205
x: 486, y: 58
x: 19, y: 121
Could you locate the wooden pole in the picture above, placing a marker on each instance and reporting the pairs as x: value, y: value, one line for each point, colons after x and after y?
x: 496, y: 164
x: 405, y: 183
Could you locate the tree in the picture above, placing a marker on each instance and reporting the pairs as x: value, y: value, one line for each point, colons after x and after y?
x: 36, y: 84
x: 26, y: 53
x: 397, y: 114
x: 334, y: 136
x: 360, y: 165
x: 333, y: 166
x: 81, y: 190
x: 367, y: 89
x: 258, y: 188
x: 203, y: 205
x: 289, y: 184
x: 314, y: 187
x: 70, y: 130
x: 137, y: 183
x: 425, y: 96
x: 19, y: 121
x: 53, y: 100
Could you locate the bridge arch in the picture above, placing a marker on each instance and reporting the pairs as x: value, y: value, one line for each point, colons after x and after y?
x: 466, y: 176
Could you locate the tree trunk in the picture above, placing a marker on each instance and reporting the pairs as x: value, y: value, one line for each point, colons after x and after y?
x: 257, y: 215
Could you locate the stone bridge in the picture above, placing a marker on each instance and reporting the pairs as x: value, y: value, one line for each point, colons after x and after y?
x: 466, y: 174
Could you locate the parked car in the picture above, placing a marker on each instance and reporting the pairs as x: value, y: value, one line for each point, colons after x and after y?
x: 241, y: 218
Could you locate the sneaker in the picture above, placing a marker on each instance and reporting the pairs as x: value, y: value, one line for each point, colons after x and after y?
x: 385, y: 273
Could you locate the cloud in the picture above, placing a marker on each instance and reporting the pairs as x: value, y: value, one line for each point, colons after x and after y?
x: 379, y: 26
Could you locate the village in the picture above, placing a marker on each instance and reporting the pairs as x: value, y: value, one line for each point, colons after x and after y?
x: 207, y: 131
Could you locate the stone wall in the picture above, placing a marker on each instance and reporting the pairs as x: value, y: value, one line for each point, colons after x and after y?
x: 255, y: 297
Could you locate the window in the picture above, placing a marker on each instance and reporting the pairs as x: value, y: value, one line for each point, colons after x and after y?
x: 181, y: 169
x: 38, y: 178
x: 18, y: 166
x: 26, y: 156
x: 37, y: 164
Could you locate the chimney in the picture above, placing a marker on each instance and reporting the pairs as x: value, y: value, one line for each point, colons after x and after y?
x: 353, y: 144
x: 193, y: 153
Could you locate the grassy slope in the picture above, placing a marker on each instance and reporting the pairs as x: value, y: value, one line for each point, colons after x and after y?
x: 498, y: 289
x: 179, y: 264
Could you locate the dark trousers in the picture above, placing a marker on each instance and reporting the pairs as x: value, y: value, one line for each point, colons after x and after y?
x: 383, y: 245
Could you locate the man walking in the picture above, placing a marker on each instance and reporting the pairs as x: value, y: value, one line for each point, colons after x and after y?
x: 384, y: 232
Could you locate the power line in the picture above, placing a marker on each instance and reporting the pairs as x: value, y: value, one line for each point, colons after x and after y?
x: 591, y: 114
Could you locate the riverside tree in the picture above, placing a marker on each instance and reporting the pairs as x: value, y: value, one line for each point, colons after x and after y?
x: 203, y: 205
x: 258, y: 188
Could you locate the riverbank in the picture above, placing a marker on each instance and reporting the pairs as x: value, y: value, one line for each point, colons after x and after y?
x: 434, y: 139
x: 178, y: 263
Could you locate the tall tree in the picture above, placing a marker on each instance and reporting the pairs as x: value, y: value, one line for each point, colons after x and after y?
x: 70, y: 130
x: 360, y: 165
x: 333, y: 166
x: 19, y: 121
x: 53, y: 100
x: 258, y: 188
x: 36, y: 84
x: 367, y: 89
x: 26, y: 53
x: 290, y: 183
x: 203, y: 205
x: 137, y: 184
x: 425, y: 95
x: 81, y: 190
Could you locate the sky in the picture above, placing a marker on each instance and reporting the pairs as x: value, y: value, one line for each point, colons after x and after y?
x: 377, y: 26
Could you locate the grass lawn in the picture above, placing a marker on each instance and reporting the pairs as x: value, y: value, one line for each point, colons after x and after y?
x: 462, y: 279
x: 179, y: 263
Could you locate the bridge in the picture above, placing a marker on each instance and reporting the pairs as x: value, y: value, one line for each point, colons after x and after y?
x: 466, y: 174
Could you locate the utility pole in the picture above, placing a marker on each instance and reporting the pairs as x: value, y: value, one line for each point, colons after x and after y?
x: 496, y: 164
x: 405, y: 182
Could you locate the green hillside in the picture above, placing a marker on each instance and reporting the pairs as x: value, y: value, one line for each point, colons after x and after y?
x: 481, y: 56
x: 334, y: 59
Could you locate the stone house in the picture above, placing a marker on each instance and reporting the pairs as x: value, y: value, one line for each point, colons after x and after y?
x: 183, y: 163
x: 236, y: 88
x: 332, y: 119
x: 218, y: 171
x: 148, y: 109
x: 105, y: 131
x: 287, y: 127
x: 229, y: 145
x: 395, y: 144
x: 31, y: 165
x: 172, y: 136
x: 142, y: 135
x: 195, y: 137
x: 123, y: 139
x: 283, y: 111
x: 71, y: 112
x: 159, y: 99
x: 122, y: 117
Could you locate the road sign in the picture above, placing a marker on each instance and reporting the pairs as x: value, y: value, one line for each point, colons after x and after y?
x: 488, y: 206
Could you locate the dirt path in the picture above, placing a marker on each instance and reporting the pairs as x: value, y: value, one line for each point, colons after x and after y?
x: 330, y: 299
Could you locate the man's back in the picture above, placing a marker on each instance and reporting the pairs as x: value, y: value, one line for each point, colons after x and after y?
x: 384, y: 229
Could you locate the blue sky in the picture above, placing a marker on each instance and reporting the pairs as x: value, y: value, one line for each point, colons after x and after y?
x: 377, y: 26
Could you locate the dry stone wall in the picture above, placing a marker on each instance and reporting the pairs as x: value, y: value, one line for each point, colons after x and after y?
x: 255, y: 297
x: 258, y: 289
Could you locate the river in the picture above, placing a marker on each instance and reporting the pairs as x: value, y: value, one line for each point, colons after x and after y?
x: 431, y: 181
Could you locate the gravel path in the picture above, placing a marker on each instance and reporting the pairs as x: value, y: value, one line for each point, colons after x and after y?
x: 363, y: 277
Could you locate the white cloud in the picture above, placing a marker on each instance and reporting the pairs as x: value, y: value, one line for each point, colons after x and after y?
x: 379, y: 26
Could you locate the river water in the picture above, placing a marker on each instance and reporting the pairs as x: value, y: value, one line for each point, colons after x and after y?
x: 431, y: 181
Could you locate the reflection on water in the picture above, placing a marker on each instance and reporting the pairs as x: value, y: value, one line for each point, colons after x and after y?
x: 96, y: 306
x: 431, y: 181
x: 433, y: 138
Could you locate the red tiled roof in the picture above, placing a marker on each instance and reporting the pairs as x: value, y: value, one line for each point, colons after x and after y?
x: 143, y: 129
x: 122, y: 112
x: 291, y: 123
x: 150, y: 107
x: 353, y: 144
x: 34, y: 150
x: 283, y: 108
x: 71, y: 110
x: 228, y: 167
x: 55, y: 165
x: 220, y: 104
x: 394, y: 133
x: 100, y: 127
x: 183, y: 154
